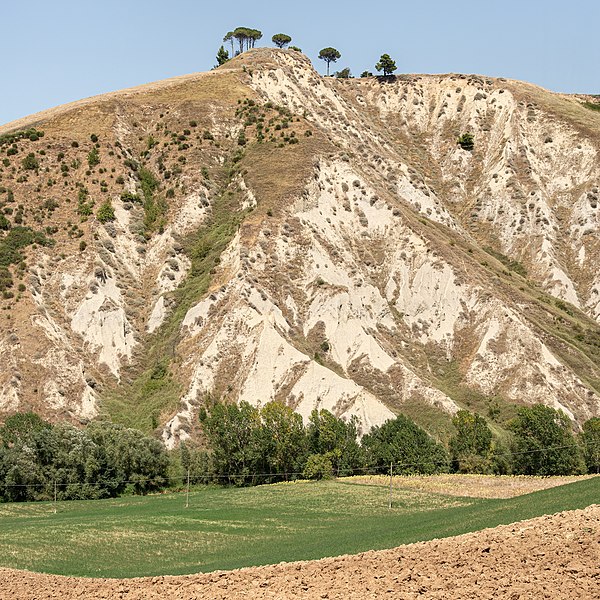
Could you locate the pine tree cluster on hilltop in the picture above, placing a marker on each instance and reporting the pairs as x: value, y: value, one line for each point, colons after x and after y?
x: 246, y: 39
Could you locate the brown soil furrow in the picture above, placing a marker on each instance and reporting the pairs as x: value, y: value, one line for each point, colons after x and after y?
x: 552, y: 557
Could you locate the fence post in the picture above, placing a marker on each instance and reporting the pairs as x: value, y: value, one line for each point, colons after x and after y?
x: 391, y: 478
x: 187, y: 490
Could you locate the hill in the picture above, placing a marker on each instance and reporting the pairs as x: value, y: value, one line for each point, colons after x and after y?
x: 261, y: 232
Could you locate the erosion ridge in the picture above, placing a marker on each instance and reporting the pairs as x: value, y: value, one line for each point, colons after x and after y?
x: 325, y: 242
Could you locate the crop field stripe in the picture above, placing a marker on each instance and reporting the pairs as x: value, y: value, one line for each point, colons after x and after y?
x: 227, y: 528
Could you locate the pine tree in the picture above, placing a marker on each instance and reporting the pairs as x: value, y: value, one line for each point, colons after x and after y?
x: 281, y: 40
x: 222, y: 56
x: 386, y: 64
x: 329, y: 55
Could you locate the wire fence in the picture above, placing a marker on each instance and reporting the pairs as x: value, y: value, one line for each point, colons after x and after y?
x: 397, y: 468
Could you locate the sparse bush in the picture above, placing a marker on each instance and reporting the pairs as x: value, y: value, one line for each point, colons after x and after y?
x: 130, y: 197
x: 466, y: 141
x: 106, y: 212
x: 343, y: 74
x: 10, y: 138
x: 93, y: 157
x: 30, y: 162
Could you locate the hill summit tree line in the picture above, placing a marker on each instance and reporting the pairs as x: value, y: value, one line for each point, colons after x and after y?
x: 246, y: 445
x: 244, y: 38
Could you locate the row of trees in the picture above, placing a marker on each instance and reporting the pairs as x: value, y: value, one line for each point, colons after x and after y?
x: 40, y: 461
x: 245, y: 445
x: 385, y: 64
x: 248, y: 445
x: 542, y: 443
x: 246, y: 39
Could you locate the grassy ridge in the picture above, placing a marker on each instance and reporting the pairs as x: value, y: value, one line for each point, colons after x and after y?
x: 231, y: 528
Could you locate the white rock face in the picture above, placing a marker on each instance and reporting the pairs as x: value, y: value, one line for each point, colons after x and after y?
x: 103, y: 324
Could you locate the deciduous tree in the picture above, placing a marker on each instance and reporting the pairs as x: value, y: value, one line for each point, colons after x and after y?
x: 544, y: 443
x: 283, y: 439
x: 232, y: 434
x: 470, y: 446
x: 336, y: 440
x: 404, y: 443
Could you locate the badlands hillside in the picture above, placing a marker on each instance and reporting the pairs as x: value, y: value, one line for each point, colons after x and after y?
x: 260, y: 232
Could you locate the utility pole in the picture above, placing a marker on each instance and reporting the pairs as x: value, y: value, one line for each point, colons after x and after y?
x: 187, y: 490
x: 391, y: 479
x: 54, y: 496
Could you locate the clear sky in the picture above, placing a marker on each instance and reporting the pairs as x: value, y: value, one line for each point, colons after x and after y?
x: 58, y: 51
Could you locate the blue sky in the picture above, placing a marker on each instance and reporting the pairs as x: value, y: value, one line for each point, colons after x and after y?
x: 56, y: 52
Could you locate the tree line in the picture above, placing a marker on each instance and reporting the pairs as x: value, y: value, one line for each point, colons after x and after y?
x: 245, y: 445
x: 246, y: 38
x: 41, y: 461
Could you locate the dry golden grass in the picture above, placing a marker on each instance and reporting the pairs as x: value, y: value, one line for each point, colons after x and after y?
x: 469, y: 486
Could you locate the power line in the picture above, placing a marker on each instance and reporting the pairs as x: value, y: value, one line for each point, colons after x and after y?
x: 368, y: 470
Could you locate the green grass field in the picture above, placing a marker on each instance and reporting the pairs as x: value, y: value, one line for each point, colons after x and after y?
x: 231, y: 528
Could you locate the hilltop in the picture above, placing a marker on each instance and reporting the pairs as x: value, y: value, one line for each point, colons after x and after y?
x: 261, y: 232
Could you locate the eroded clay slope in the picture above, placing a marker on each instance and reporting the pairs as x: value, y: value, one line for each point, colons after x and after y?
x: 279, y: 235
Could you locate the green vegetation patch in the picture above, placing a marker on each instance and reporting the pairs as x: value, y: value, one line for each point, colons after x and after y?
x: 153, y: 392
x: 31, y: 134
x: 509, y: 263
x: 155, y: 207
x: 231, y: 528
x: 11, y: 246
x: 592, y: 105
